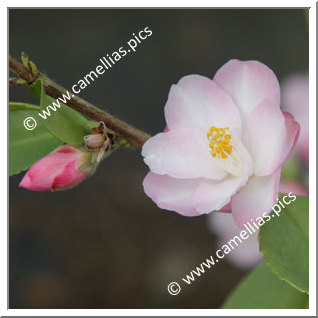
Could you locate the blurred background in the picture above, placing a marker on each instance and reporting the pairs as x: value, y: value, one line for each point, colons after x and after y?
x: 105, y: 244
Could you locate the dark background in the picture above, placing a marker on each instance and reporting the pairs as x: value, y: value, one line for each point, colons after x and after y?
x: 105, y: 244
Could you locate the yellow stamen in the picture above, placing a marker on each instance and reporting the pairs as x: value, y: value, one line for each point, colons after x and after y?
x: 219, y: 142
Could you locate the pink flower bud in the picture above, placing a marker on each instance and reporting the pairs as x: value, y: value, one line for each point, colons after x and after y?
x: 64, y: 168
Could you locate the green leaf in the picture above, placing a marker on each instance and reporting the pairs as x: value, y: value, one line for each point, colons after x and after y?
x: 284, y: 241
x: 26, y: 146
x: 261, y: 289
x: 64, y: 123
x: 23, y: 106
x: 36, y: 88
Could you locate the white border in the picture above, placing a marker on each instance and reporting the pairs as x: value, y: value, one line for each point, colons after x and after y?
x: 164, y: 312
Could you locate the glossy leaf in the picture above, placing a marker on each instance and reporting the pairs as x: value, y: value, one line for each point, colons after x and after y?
x: 27, y: 146
x: 63, y: 122
x: 261, y: 289
x: 284, y: 241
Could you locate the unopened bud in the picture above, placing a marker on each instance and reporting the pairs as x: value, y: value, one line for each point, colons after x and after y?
x: 34, y: 68
x: 25, y: 61
x: 64, y: 168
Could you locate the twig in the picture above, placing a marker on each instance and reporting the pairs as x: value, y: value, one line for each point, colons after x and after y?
x: 135, y: 136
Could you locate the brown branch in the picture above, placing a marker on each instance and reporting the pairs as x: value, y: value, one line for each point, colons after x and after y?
x: 135, y: 136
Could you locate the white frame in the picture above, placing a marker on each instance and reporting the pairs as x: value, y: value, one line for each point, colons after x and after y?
x: 312, y: 176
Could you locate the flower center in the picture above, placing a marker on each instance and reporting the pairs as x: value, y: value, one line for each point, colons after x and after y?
x: 219, y: 142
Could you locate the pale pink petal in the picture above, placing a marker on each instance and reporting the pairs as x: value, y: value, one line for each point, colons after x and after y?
x: 182, y: 153
x: 212, y: 196
x: 295, y: 100
x: 266, y: 137
x: 304, y: 150
x: 255, y: 198
x: 172, y: 194
x: 287, y: 186
x: 246, y: 255
x: 292, y: 130
x: 196, y: 101
x: 222, y: 224
x: 295, y: 95
x: 248, y: 83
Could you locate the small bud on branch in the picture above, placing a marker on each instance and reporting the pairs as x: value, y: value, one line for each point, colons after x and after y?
x: 28, y: 72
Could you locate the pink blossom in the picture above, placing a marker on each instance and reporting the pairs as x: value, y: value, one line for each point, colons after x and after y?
x: 295, y: 99
x: 244, y: 256
x: 64, y: 168
x: 226, y: 141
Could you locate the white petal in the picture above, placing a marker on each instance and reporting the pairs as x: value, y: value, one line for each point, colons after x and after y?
x: 196, y: 101
x: 255, y: 198
x: 212, y: 196
x: 182, y: 153
x: 248, y: 83
x: 266, y: 138
x: 172, y: 194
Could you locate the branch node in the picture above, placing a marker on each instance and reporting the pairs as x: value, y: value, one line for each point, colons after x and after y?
x: 28, y: 73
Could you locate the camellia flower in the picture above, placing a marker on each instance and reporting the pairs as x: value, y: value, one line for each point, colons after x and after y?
x: 295, y: 99
x: 225, y: 143
x: 64, y: 168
